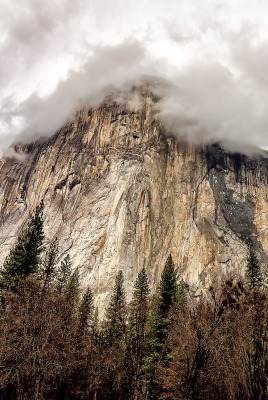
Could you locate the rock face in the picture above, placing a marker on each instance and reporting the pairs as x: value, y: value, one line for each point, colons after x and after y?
x: 120, y: 194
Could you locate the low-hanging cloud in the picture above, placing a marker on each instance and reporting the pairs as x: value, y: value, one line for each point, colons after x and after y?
x: 108, y: 69
x: 209, y: 104
x: 211, y: 66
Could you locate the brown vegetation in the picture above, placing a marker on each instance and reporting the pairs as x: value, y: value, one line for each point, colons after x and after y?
x: 215, y: 348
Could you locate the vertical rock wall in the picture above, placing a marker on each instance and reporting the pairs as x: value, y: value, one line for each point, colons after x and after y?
x: 119, y: 194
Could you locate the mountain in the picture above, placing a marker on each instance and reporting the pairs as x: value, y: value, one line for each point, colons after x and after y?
x: 121, y: 194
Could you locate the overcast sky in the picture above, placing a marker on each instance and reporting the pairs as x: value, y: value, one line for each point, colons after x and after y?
x: 57, y: 55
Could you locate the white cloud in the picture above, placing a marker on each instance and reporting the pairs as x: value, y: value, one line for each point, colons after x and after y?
x: 57, y: 56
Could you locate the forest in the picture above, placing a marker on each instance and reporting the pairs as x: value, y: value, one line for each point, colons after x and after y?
x: 166, y: 345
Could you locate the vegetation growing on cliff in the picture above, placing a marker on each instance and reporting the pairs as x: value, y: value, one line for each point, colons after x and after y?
x: 166, y: 345
x: 253, y: 269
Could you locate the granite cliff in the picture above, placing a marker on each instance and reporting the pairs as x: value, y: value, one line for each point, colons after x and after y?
x: 119, y: 194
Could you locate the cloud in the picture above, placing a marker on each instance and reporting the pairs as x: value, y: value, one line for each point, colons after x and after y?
x: 210, y: 61
x: 108, y: 69
x: 208, y: 103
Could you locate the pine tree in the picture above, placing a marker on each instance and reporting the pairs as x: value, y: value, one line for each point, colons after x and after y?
x: 116, y: 311
x: 253, y: 271
x: 167, y: 297
x: 168, y: 288
x: 112, y: 343
x: 24, y: 259
x: 137, y: 334
x: 141, y: 287
x: 139, y: 306
x: 86, y: 311
x: 63, y: 273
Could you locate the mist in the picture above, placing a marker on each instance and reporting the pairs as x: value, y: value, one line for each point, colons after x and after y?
x: 210, y: 64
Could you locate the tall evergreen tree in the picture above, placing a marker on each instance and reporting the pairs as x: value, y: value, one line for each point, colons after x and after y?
x: 86, y: 311
x: 137, y: 334
x: 112, y: 343
x: 24, y: 259
x: 116, y: 311
x: 168, y: 288
x: 167, y: 296
x: 253, y: 270
x: 141, y: 287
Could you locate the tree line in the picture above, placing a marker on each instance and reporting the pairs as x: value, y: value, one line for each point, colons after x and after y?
x: 165, y: 345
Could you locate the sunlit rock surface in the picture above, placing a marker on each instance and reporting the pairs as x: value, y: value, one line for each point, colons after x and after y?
x: 120, y: 194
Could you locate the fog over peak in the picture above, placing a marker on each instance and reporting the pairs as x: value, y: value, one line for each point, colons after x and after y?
x: 58, y: 56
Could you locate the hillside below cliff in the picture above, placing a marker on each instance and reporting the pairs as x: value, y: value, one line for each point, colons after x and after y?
x: 120, y: 194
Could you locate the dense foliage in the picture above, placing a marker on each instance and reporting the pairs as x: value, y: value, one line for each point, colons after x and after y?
x: 167, y: 345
